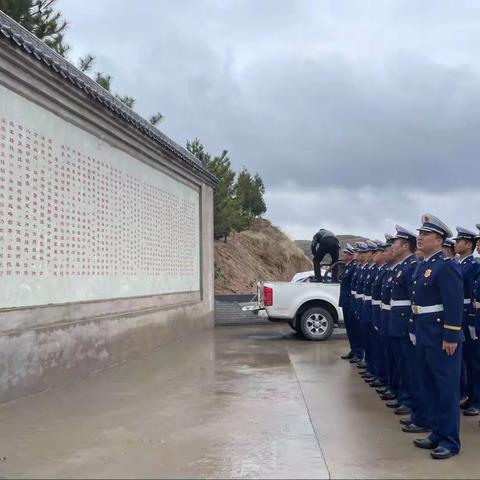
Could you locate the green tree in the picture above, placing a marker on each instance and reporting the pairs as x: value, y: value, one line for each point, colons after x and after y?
x: 197, y: 149
x: 40, y: 18
x: 156, y: 119
x: 225, y: 206
x: 85, y: 63
x: 237, y: 200
x: 126, y: 100
x: 104, y: 80
x: 249, y: 191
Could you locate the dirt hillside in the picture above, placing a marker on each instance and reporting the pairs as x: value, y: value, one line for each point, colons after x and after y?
x: 261, y: 253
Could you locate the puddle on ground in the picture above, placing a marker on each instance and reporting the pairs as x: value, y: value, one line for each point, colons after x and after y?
x: 256, y: 360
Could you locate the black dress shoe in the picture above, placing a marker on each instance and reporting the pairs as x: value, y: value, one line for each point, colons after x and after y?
x: 366, y: 375
x: 382, y: 391
x: 471, y: 412
x: 412, y: 428
x: 347, y: 357
x: 354, y: 360
x: 362, y: 365
x: 405, y: 421
x: 425, y: 443
x: 393, y: 404
x: 377, y: 383
x: 388, y: 396
x: 442, y: 453
x: 464, y: 403
x: 402, y: 410
x: 369, y: 380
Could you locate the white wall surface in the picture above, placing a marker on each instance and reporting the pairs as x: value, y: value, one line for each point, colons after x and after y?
x: 81, y: 220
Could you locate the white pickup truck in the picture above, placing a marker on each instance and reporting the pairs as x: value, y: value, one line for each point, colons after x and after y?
x: 310, y: 308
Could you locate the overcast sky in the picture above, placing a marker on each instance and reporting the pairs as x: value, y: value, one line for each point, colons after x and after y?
x: 357, y: 114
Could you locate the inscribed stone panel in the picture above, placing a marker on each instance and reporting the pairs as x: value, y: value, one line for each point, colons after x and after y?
x: 81, y: 220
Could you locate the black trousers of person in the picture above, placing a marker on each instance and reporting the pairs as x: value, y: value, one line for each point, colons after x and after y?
x: 353, y: 333
x: 326, y: 246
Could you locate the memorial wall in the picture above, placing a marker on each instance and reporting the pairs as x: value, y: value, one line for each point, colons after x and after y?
x: 106, y: 226
x: 81, y: 220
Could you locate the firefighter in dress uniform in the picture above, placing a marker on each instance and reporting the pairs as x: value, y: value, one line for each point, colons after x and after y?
x: 378, y: 349
x: 465, y: 243
x: 367, y: 334
x: 403, y: 249
x: 362, y: 248
x: 390, y: 393
x: 437, y: 302
x: 345, y: 301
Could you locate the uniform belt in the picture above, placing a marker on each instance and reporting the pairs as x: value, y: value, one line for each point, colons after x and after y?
x: 358, y: 296
x: 354, y: 292
x: 367, y: 298
x: 400, y: 303
x: 376, y: 302
x: 418, y: 310
x: 385, y: 306
x: 476, y: 305
x: 467, y: 301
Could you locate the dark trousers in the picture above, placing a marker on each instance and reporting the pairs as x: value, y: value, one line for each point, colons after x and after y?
x: 463, y: 379
x: 395, y: 360
x: 378, y: 349
x: 440, y: 389
x: 366, y: 342
x: 406, y: 364
x: 421, y: 412
x: 421, y: 409
x: 352, y: 332
x: 358, y: 328
x: 471, y: 357
x: 326, y: 246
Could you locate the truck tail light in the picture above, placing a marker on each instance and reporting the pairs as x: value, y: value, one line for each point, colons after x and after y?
x: 267, y: 296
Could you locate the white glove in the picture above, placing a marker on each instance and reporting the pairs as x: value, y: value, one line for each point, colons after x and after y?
x: 413, y: 338
x: 473, y: 333
x: 376, y: 328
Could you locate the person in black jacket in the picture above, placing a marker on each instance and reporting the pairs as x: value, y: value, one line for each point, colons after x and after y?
x: 324, y: 242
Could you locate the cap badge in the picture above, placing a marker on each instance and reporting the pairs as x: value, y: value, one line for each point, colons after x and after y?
x: 427, y: 273
x: 399, y: 273
x: 425, y: 219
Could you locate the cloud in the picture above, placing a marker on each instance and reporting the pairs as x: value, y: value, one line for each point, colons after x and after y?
x: 356, y: 114
x: 368, y: 212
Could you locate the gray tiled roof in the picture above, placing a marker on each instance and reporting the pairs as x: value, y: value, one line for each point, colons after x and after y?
x: 11, y: 30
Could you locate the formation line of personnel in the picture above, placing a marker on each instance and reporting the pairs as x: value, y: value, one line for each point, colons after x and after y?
x: 411, y: 307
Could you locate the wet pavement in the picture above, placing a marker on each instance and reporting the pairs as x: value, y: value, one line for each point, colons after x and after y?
x: 234, y: 402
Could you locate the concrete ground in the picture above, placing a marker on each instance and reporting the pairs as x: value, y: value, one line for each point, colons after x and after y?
x: 242, y: 402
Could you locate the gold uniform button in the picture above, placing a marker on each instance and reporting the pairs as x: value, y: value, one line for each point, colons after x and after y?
x: 438, y: 320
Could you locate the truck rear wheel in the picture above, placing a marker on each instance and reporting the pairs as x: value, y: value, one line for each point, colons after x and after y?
x: 317, y: 324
